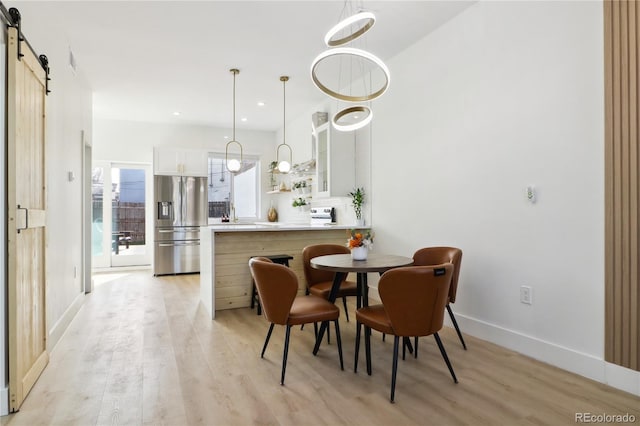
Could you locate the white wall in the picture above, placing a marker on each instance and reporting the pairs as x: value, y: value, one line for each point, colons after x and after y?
x: 505, y: 95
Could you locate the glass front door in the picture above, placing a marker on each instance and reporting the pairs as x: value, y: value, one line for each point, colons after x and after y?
x: 121, y: 223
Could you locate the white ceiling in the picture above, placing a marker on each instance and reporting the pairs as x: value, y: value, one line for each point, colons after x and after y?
x: 146, y: 59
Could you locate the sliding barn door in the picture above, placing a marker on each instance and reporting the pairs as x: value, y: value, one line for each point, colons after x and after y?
x: 26, y: 94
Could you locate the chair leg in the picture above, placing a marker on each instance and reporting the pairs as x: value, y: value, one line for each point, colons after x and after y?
x: 346, y: 312
x: 339, y: 344
x: 446, y: 358
x: 315, y: 329
x: 284, y: 355
x: 383, y: 336
x: 367, y: 347
x: 415, y: 343
x: 266, y: 341
x: 455, y: 325
x: 404, y: 349
x: 355, y: 361
x: 394, y: 368
x: 328, y: 334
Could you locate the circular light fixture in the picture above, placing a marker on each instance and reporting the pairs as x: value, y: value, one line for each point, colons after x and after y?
x: 362, y: 113
x: 369, y: 19
x: 352, y: 52
x: 284, y: 166
x: 233, y: 165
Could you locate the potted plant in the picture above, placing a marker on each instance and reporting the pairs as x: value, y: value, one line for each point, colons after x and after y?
x: 359, y: 243
x: 301, y: 203
x: 357, y: 200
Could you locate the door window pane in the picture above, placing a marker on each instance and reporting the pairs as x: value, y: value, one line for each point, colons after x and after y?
x: 128, y: 211
x: 97, y: 186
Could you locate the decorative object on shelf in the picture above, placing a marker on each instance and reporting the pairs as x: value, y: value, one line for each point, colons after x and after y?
x: 284, y: 166
x: 352, y: 117
x: 283, y: 186
x: 357, y: 200
x: 233, y: 164
x: 301, y: 203
x: 272, y: 214
x: 302, y: 187
x: 359, y: 244
x: 273, y: 166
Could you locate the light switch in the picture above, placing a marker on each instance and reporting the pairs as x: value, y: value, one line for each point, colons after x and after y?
x: 71, y: 176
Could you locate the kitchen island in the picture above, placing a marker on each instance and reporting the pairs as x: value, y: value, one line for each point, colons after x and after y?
x: 225, y: 279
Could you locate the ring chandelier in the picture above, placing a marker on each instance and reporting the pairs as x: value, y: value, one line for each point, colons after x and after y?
x: 362, y: 113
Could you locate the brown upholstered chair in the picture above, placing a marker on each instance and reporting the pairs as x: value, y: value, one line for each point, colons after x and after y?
x: 319, y: 282
x: 277, y: 286
x: 413, y: 303
x: 436, y: 256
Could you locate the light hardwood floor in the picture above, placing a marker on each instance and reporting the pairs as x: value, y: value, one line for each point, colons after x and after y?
x: 141, y: 351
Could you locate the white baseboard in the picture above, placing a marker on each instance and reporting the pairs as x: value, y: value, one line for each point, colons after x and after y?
x: 568, y: 359
x: 4, y: 401
x: 58, y: 329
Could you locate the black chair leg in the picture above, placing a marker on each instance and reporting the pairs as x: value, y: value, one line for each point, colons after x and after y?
x: 394, y: 369
x: 266, y: 341
x: 355, y: 361
x: 383, y: 336
x: 367, y: 347
x: 346, y: 312
x: 404, y: 349
x: 455, y: 325
x: 339, y: 344
x: 415, y: 343
x: 446, y: 358
x: 328, y: 334
x: 284, y: 355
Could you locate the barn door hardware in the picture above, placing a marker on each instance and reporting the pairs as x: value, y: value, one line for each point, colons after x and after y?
x: 16, y: 19
x: 44, y: 61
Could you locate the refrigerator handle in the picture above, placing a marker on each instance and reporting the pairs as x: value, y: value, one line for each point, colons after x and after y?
x: 184, y: 200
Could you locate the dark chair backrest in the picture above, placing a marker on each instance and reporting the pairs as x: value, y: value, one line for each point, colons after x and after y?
x: 438, y: 255
x: 415, y: 297
x: 277, y: 286
x: 312, y: 275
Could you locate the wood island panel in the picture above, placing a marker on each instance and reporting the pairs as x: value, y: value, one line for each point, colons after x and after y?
x: 230, y: 251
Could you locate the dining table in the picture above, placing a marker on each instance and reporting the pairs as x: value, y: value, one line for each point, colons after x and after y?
x: 343, y: 264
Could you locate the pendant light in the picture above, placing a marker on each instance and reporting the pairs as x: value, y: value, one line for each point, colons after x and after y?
x: 284, y: 166
x: 356, y: 25
x: 233, y: 164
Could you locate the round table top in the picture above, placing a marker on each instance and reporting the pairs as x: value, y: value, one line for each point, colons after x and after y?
x: 376, y: 262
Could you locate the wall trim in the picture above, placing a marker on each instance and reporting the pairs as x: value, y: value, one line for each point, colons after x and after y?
x: 61, y: 326
x: 4, y: 401
x: 583, y: 364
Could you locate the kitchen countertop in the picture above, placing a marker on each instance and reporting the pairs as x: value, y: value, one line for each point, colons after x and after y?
x: 275, y: 226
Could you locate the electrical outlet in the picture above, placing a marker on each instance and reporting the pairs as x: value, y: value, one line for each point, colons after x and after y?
x: 526, y: 295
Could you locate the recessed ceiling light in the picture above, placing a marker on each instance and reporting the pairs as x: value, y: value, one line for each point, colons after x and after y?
x: 176, y: 113
x: 243, y: 119
x: 260, y: 103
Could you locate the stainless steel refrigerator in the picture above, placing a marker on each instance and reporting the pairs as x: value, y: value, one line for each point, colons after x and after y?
x: 181, y: 208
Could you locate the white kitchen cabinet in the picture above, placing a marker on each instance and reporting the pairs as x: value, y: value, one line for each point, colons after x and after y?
x: 183, y: 162
x: 335, y: 162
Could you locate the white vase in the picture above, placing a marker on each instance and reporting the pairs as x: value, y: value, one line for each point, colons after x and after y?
x: 359, y: 253
x: 360, y: 222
